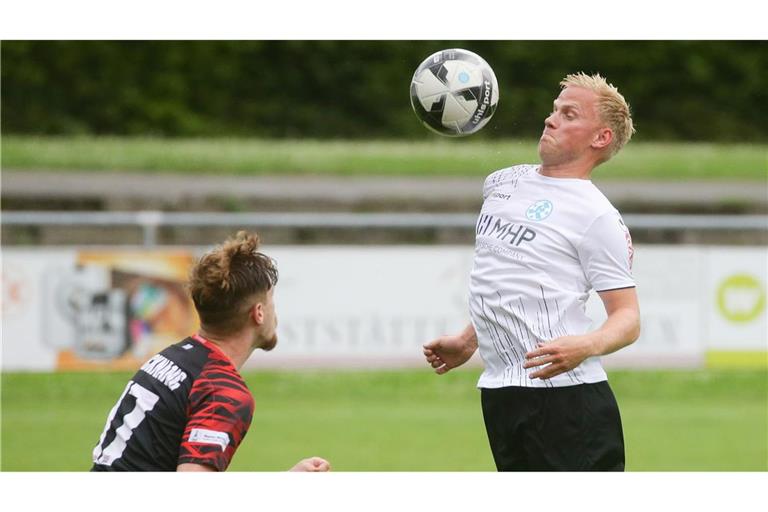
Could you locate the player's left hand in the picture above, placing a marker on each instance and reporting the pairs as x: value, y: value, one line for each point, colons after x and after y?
x: 312, y: 464
x: 559, y: 355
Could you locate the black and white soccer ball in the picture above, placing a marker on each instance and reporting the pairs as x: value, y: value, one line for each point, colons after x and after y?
x: 454, y: 92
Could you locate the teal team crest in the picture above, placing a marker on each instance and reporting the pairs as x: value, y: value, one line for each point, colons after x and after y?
x: 539, y: 210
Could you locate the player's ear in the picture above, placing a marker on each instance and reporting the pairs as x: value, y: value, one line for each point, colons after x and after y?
x: 257, y: 313
x: 603, y: 138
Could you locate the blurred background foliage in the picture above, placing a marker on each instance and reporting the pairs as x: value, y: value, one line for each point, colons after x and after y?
x: 678, y: 90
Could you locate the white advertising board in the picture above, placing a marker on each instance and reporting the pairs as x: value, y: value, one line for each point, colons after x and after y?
x: 24, y: 300
x: 369, y: 306
x: 350, y: 306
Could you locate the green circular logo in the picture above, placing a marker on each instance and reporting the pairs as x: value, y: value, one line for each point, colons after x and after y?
x: 741, y: 298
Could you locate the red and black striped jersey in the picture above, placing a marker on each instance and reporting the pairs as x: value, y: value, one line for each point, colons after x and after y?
x: 187, y: 404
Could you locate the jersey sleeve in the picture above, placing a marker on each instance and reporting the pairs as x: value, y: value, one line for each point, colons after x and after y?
x: 219, y: 415
x: 606, y: 253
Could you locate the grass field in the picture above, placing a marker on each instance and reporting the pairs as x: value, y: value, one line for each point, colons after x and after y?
x: 438, y: 157
x: 410, y: 420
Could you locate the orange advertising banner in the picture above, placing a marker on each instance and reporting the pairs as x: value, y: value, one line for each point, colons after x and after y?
x: 123, y: 307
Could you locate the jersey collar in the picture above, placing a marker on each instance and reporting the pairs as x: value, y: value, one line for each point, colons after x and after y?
x: 213, y: 346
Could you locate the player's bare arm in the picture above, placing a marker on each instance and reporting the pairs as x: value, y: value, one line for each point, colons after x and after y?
x: 448, y: 352
x: 620, y: 329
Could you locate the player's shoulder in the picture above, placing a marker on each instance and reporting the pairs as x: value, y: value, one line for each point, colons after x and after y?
x: 596, y: 202
x: 602, y: 217
x: 175, y: 366
x: 507, y: 175
x: 210, y: 370
x: 220, y: 375
x: 189, y: 354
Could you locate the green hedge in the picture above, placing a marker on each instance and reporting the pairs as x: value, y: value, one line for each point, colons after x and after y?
x: 678, y: 90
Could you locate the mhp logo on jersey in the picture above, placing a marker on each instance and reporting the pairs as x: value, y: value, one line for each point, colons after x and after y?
x: 539, y: 210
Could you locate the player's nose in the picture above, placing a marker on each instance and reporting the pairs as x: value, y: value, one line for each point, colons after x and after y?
x: 549, y: 122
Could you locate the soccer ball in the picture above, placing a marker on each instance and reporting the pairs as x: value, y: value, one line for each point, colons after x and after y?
x: 454, y: 92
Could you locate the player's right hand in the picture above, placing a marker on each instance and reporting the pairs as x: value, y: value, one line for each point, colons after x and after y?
x: 448, y: 352
x: 312, y: 464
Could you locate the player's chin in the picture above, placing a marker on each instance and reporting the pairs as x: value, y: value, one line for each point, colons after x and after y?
x: 269, y: 344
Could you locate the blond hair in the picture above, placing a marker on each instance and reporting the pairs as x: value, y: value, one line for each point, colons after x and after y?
x: 225, y: 281
x: 612, y: 108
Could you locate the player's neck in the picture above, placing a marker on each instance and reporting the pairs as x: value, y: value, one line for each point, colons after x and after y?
x: 579, y: 168
x: 237, y: 348
x: 571, y: 170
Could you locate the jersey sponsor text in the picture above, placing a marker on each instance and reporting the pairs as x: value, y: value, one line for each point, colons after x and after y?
x: 493, y: 226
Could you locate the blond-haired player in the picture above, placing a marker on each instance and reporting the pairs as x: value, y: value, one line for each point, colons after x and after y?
x: 546, y: 237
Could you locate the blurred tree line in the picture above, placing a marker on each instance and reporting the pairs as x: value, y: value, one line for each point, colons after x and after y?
x: 678, y: 90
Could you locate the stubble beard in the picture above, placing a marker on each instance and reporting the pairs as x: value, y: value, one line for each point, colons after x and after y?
x: 270, y: 343
x: 265, y: 344
x: 547, y: 154
x: 552, y: 156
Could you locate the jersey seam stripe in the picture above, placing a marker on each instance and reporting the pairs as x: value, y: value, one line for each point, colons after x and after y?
x: 619, y: 288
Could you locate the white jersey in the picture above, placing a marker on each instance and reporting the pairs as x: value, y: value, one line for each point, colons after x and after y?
x: 541, y: 245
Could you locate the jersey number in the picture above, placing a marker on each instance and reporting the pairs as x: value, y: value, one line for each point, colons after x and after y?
x: 145, y: 401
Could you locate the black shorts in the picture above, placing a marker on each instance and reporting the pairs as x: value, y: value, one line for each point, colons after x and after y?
x: 573, y: 428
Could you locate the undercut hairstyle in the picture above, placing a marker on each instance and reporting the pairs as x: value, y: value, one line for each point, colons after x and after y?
x: 612, y: 108
x: 228, y: 280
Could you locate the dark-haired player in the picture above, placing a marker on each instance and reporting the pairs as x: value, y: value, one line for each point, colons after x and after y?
x: 188, y: 408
